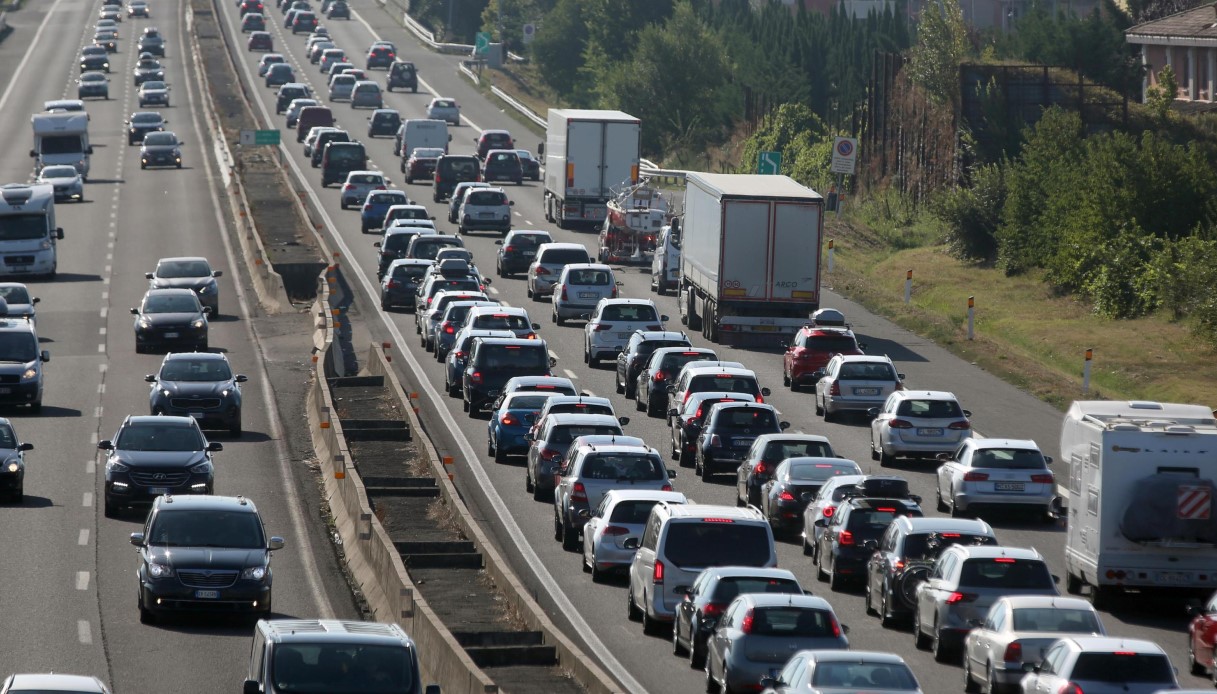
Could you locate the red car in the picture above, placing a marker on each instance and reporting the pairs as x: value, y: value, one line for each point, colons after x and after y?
x: 814, y: 345
x: 1202, y: 638
x: 260, y: 41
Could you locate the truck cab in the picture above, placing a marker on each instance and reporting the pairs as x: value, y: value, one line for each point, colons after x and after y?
x: 28, y: 235
x: 62, y: 138
x: 665, y: 265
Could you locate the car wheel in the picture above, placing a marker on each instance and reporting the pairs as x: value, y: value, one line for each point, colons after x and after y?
x: 570, y: 538
x: 807, y: 549
x: 969, y: 684
x: 630, y: 392
x: 146, y: 616
x: 558, y: 319
x: 942, y: 653
x: 957, y: 512
x: 678, y: 649
x: 650, y: 626
x: 697, y: 654
x: 618, y: 385
x: 598, y: 576
x: 884, y: 459
x: 711, y: 685
x: 528, y: 479
x: 234, y: 429
x: 920, y: 640
x: 885, y: 619
x: 874, y: 453
x: 836, y: 581
x: 1073, y: 583
x: 110, y: 509
x: 653, y: 408
x: 819, y: 410
x: 537, y: 493
x: 821, y: 574
x: 19, y: 494
x: 632, y: 613
x: 639, y: 404
x: 989, y: 685
x: 942, y: 505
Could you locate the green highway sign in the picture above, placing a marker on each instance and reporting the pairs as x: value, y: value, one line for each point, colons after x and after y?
x: 482, y: 43
x: 769, y: 163
x: 259, y: 137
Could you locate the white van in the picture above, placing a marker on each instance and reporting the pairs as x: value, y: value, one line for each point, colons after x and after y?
x: 680, y: 541
x: 423, y: 132
x: 665, y: 265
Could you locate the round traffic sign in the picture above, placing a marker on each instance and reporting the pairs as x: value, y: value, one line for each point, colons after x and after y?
x: 845, y: 148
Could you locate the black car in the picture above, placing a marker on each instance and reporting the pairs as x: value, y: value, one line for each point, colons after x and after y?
x: 152, y: 456
x: 380, y: 56
x: 709, y: 596
x: 147, y: 69
x: 517, y: 250
x: 338, y: 9
x: 20, y: 362
x: 322, y: 140
x: 452, y: 169
x: 530, y: 164
x: 12, y: 462
x: 851, y: 536
x: 767, y: 453
x: 170, y: 317
x: 400, y: 288
x: 659, y: 371
x: 199, y: 385
x: 393, y: 245
x: 794, y: 484
x: 638, y: 351
x: 686, y: 422
x: 728, y: 433
x: 160, y: 149
x: 289, y: 92
x: 503, y: 165
x: 280, y: 74
x: 341, y: 158
x: 204, y: 554
x: 402, y: 75
x: 494, y: 361
x: 384, y: 122
x: 141, y: 123
x: 94, y: 58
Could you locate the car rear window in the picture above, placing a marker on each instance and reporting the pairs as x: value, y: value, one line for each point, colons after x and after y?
x: 1056, y: 619
x: 752, y: 418
x: 504, y: 158
x: 369, y: 179
x: 870, y: 523
x: 580, y: 408
x: 530, y: 239
x: 563, y: 256
x: 528, y: 402
x: 704, y: 543
x: 486, y: 197
x: 413, y: 272
x: 1004, y: 572
x: 569, y: 432
x: 793, y: 621
x: 833, y: 344
x: 781, y: 450
x: 1121, y: 668
x: 633, y: 313
x: 623, y: 467
x: 589, y: 278
x: 885, y: 676
x: 635, y: 512
x: 501, y: 321
x: 862, y: 371
x: 427, y: 249
x: 918, y: 544
x: 675, y: 361
x: 345, y: 153
x: 465, y: 168
x: 468, y: 284
x: 385, y: 198
x: 516, y: 357
x: 396, y: 242
x: 1008, y: 459
x: 933, y: 409
x: 818, y: 472
x: 728, y: 383
x: 304, y: 667
x: 495, y: 140
x: 730, y: 587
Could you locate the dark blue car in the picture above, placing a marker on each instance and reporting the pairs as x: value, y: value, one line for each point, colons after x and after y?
x: 510, y: 421
x: 372, y: 214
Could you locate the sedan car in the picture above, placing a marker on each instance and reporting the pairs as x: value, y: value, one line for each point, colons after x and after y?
x: 267, y: 60
x: 842, y: 672
x: 153, y: 456
x: 141, y: 123
x: 153, y: 92
x: 421, y: 163
x: 1003, y: 473
x: 338, y: 9
x: 170, y: 317
x: 794, y: 484
x: 530, y: 164
x: 445, y: 110
x: 376, y: 205
x: 160, y: 149
x: 151, y: 41
x: 12, y: 462
x: 199, y: 385
x: 706, y: 600
x: 686, y: 423
x: 93, y: 85
x: 188, y: 272
x: 94, y: 58
x: 198, y: 554
x: 67, y: 182
x: 1017, y: 632
x: 917, y: 424
x: 148, y: 68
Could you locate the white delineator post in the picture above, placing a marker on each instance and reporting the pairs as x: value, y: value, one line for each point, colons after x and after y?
x: 1086, y: 371
x: 908, y: 286
x: 971, y: 316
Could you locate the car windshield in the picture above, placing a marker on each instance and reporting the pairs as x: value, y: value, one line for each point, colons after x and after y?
x: 303, y: 668
x: 932, y: 409
x: 210, y: 528
x: 20, y: 227
x: 175, y: 303
x: 731, y: 586
x: 861, y: 675
x: 698, y: 543
x: 501, y: 321
x: 565, y: 433
x: 146, y: 119
x: 818, y: 472
x: 1008, y: 459
x: 632, y: 313
x: 624, y: 466
x: 1056, y: 619
x: 1004, y: 572
x: 523, y: 154
x: 593, y: 278
x: 59, y: 172
x: 160, y: 139
x: 862, y: 371
x: 780, y: 450
x: 634, y: 512
x: 17, y: 347
x: 15, y: 294
x: 159, y: 437
x: 485, y: 197
x: 745, y: 418
x: 794, y: 622
x: 1122, y: 668
x: 149, y: 86
x: 196, y: 370
x: 183, y: 268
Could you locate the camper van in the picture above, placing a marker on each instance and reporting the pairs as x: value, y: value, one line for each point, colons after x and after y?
x: 1140, y: 497
x: 62, y: 138
x: 28, y: 234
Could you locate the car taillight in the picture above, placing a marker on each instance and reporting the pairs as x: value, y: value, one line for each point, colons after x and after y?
x: 760, y: 399
x: 713, y: 609
x: 1043, y: 478
x: 760, y: 469
x: 458, y: 354
x: 960, y: 426
x: 957, y: 597
x: 564, y: 298
x: 657, y: 572
x: 715, y: 440
x: 348, y: 187
x: 391, y: 55
x: 900, y: 424
x: 975, y: 476
x: 508, y: 419
x: 601, y: 327
x: 836, y: 628
x: 828, y: 511
x: 785, y: 496
x: 579, y: 493
x: 530, y: 336
x: 1070, y: 688
x: 549, y: 454
x: 613, y: 293
x: 666, y: 488
x: 449, y: 329
x: 508, y: 249
x: 746, y: 625
x: 615, y: 530
x: 1014, y: 653
x: 380, y: 188
x: 845, y: 539
x: 834, y: 389
x: 476, y: 377
x: 899, y: 386
x: 654, y: 327
x: 697, y: 415
x: 540, y: 271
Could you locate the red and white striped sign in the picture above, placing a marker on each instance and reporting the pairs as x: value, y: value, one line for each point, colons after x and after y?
x: 1194, y: 502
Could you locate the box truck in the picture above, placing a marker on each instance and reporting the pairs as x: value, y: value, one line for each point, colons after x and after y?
x: 1140, y: 497
x: 62, y: 138
x: 750, y: 256
x: 589, y: 156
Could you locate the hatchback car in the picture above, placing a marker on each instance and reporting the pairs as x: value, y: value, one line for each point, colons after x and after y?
x: 358, y: 185
x: 329, y: 58
x: 188, y: 272
x: 518, y: 249
x: 141, y: 123
x: 154, y: 456
x: 66, y: 181
x: 280, y: 74
x: 1102, y: 665
x: 399, y: 285
x: 338, y: 10
x: 366, y: 94
x: 622, y: 514
x: 1003, y: 473
x: 160, y: 149
x: 767, y: 452
x: 341, y: 87
x: 303, y: 22
x: 794, y: 484
x: 759, y: 632
x: 727, y: 435
x: 93, y: 85
x: 202, y: 554
x: 612, y: 324
x: 94, y: 58
x: 492, y: 140
x: 433, y: 298
x: 375, y: 205
x: 153, y: 92
x: 651, y: 384
x: 701, y: 376
x: 317, y: 48
x: 589, y: 472
x: 410, y: 212
x: 485, y: 209
x: 444, y: 109
x: 851, y: 535
x: 260, y: 41
x: 441, y: 335
x: 706, y: 600
x: 393, y: 245
x: 833, y: 672
x: 451, y: 170
x: 383, y: 122
x: 573, y: 404
x: 530, y: 165
x: 637, y: 353
x: 199, y: 385
x: 380, y: 57
x: 512, y: 413
x: 503, y: 165
x: 421, y: 164
x: 579, y: 288
x: 686, y: 422
x: 855, y: 384
x: 511, y: 318
x: 314, y: 145
x: 254, y: 21
x: 548, y: 448
x: 458, y: 196
x: 917, y: 423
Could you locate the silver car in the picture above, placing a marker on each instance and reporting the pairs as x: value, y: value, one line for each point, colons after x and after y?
x: 358, y: 184
x: 843, y: 672
x: 66, y: 181
x: 366, y: 94
x: 708, y: 597
x: 854, y: 383
x: 920, y: 424
x: 547, y: 265
x: 548, y: 448
x: 964, y: 584
x: 1017, y: 632
x: 580, y: 288
x: 622, y: 514
x: 1007, y: 473
x: 294, y: 109
x: 341, y: 87
x: 760, y: 632
x: 444, y: 109
x: 18, y: 302
x: 590, y: 472
x: 1102, y: 665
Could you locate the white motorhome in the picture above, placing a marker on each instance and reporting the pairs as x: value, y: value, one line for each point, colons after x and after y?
x: 28, y: 234
x: 423, y: 132
x: 62, y: 138
x: 1140, y: 497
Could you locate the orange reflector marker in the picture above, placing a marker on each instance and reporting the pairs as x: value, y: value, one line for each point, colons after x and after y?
x: 325, y: 425
x: 448, y: 460
x: 340, y: 474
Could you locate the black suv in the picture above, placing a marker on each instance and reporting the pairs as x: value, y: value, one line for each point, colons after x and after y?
x: 496, y: 360
x: 151, y: 456
x: 852, y: 535
x: 728, y: 433
x: 383, y: 122
x: 200, y: 385
x: 452, y: 169
x: 659, y: 371
x: 402, y: 75
x: 638, y: 351
x: 380, y: 56
x: 203, y: 554
x: 288, y: 93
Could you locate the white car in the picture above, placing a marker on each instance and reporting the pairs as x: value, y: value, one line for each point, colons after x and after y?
x: 1016, y: 633
x: 358, y: 184
x: 996, y: 472
x: 69, y: 684
x: 917, y: 423
x: 66, y: 180
x: 445, y: 110
x: 612, y: 324
x: 855, y: 383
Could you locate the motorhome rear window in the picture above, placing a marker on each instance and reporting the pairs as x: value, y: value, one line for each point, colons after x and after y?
x: 21, y: 227
x: 699, y: 544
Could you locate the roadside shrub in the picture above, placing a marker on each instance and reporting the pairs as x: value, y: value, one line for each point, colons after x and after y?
x: 971, y: 215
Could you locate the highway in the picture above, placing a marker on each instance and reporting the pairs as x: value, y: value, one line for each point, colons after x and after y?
x: 523, y: 525
x: 68, y: 573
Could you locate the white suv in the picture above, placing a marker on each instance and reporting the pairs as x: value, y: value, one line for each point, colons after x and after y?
x: 917, y: 423
x: 614, y: 322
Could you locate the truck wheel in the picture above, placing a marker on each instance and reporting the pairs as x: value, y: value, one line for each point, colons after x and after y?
x: 692, y: 319
x: 1073, y: 583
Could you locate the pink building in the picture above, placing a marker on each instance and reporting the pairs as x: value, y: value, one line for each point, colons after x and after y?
x: 1187, y: 41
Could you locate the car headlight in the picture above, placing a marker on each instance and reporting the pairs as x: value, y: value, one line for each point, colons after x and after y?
x: 198, y: 324
x: 224, y: 393
x: 203, y: 468
x: 13, y: 466
x: 116, y: 466
x: 254, y: 573
x: 209, y: 287
x: 30, y: 374
x: 159, y: 570
x: 144, y: 322
x: 45, y: 245
x: 165, y: 392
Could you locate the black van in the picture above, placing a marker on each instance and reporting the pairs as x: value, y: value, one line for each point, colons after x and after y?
x: 383, y: 122
x: 403, y: 75
x: 340, y: 159
x: 452, y: 169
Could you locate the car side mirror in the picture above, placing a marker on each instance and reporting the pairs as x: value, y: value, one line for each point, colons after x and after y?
x: 215, y: 446
x: 150, y: 378
x: 624, y: 420
x: 766, y: 392
x: 511, y: 203
x: 148, y: 275
x: 541, y: 148
x: 58, y: 235
x: 783, y: 425
x: 672, y: 474
x: 967, y: 413
x: 672, y: 412
x: 217, y: 273
x: 1031, y: 667
x: 976, y: 623
x: 376, y: 244
x: 630, y: 543
x: 207, y: 310
x: 44, y: 356
x: 241, y: 378
x: 137, y: 539
x: 916, y: 498
x: 528, y: 436
x: 553, y: 361
x: 871, y: 545
x: 105, y: 445
x: 844, y: 628
x: 89, y: 150
x: 1056, y: 579
x: 25, y: 447
x: 862, y: 346
x: 33, y: 153
x: 585, y: 513
x: 432, y: 689
x: 1048, y: 460
x: 900, y: 376
x: 671, y: 390
x: 944, y: 457
x: 251, y: 687
x: 275, y: 543
x: 872, y: 412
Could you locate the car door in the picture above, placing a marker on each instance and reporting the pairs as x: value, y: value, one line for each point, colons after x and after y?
x: 830, y: 373
x: 931, y: 593
x: 979, y: 642
x: 886, y: 414
x: 685, y: 608
x: 721, y: 638
x: 950, y: 470
x: 1205, y: 634
x: 1048, y: 677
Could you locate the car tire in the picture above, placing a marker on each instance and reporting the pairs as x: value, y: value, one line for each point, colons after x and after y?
x: 942, y: 654
x: 1073, y: 585
x: 639, y: 405
x: 110, y: 509
x: 146, y: 616
x: 36, y: 407
x: 920, y: 640
x: 808, y: 550
x: 618, y: 385
x: 678, y: 650
x: 697, y: 656
x: 559, y: 320
x: 711, y: 686
x: 570, y: 538
x: 885, y: 460
x: 942, y: 505
x: 632, y: 613
x: 650, y: 626
x: 969, y: 684
x: 234, y: 430
x: 819, y: 409
x: 836, y: 582
x: 537, y: 493
x: 598, y: 576
x: 631, y: 393
x: 874, y: 454
x: 885, y: 619
x: 18, y: 496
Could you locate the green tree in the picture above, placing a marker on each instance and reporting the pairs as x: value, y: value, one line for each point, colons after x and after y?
x: 799, y: 134
x: 558, y: 48
x: 942, y: 45
x: 1160, y: 96
x: 512, y: 18
x: 971, y: 214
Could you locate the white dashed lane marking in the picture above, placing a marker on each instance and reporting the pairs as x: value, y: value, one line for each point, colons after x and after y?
x: 570, y: 374
x: 83, y: 539
x: 83, y: 632
x: 87, y: 499
x: 82, y: 580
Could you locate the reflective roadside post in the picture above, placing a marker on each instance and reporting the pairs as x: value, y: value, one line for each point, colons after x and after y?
x: 1086, y: 371
x: 971, y: 315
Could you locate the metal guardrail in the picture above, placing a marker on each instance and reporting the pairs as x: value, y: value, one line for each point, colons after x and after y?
x: 428, y: 38
x: 521, y: 108
x: 464, y: 68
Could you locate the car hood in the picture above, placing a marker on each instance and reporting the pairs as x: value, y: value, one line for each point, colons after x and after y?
x: 196, y: 388
x: 160, y: 458
x: 65, y: 181
x: 179, y: 282
x: 170, y: 318
x: 216, y: 558
x: 158, y: 149
x: 8, y: 368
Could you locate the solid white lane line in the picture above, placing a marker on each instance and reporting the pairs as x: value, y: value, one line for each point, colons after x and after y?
x: 82, y: 580
x: 83, y: 538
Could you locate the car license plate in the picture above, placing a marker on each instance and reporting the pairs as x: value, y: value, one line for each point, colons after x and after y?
x: 171, y: 335
x: 588, y: 295
x: 1173, y: 577
x: 485, y: 215
x: 528, y: 254
x: 196, y: 415
x: 21, y: 268
x: 765, y: 328
x: 5, y: 391
x: 206, y: 594
x: 625, y: 336
x: 929, y: 432
x: 1008, y: 486
x: 739, y: 443
x: 158, y: 490
x: 866, y: 391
